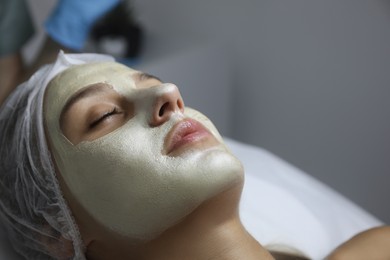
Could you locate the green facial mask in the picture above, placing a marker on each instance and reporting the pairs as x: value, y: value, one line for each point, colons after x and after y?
x: 123, y: 179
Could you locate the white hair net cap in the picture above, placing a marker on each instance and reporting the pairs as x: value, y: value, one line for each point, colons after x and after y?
x: 32, y: 208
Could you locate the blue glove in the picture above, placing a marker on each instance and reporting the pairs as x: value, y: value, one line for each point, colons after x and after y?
x: 70, y: 22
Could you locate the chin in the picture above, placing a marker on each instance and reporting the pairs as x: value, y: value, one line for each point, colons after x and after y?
x: 228, y: 171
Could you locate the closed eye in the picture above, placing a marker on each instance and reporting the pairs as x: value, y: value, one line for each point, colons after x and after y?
x: 105, y: 116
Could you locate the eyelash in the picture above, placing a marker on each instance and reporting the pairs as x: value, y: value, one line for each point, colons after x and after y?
x: 105, y: 116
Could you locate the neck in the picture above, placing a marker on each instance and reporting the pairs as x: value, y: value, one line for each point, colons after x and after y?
x: 213, y: 231
x: 223, y: 241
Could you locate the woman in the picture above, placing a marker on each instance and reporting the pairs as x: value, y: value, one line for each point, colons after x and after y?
x: 124, y: 170
x: 182, y: 174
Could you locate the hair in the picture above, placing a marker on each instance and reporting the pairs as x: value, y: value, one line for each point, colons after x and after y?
x: 32, y: 208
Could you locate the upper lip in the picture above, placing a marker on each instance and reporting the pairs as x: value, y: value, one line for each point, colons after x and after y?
x: 180, y: 130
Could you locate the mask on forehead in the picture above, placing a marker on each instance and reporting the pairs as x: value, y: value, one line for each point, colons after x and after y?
x: 123, y: 179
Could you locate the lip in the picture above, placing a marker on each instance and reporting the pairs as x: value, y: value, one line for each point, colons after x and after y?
x: 186, y: 133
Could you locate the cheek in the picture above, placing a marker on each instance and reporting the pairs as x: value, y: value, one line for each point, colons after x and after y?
x: 126, y: 184
x: 121, y: 158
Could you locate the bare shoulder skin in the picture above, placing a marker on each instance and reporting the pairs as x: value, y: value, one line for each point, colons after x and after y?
x: 370, y: 244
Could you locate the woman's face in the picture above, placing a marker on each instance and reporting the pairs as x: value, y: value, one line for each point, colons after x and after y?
x: 128, y: 150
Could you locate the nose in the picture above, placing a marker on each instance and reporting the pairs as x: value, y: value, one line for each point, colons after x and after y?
x: 168, y: 101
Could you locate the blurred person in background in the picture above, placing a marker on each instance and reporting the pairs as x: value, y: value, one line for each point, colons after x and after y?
x: 67, y: 28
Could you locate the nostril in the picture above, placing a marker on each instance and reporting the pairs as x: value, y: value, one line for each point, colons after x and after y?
x: 180, y: 104
x: 163, y: 108
x: 167, y: 103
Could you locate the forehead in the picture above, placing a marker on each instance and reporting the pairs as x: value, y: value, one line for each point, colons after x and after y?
x: 77, y: 77
x: 63, y: 86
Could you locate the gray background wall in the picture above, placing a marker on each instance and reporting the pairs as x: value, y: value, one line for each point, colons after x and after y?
x: 308, y: 80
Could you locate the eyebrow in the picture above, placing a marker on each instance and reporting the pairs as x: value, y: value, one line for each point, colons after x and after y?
x: 141, y: 76
x: 88, y: 91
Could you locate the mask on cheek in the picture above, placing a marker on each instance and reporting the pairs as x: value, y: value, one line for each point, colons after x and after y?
x: 125, y: 183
